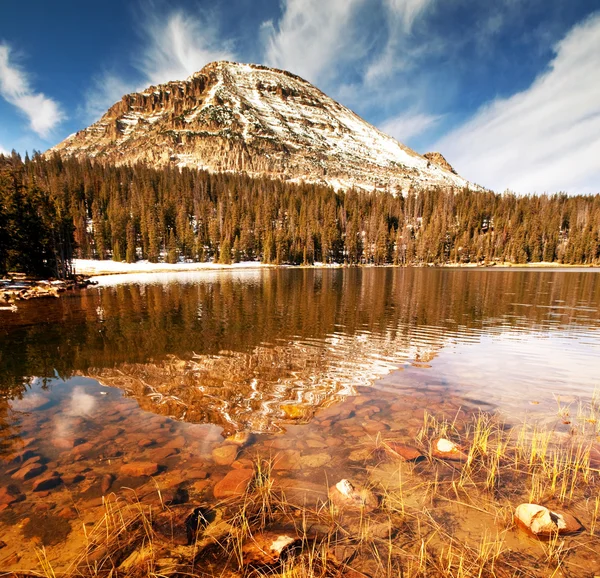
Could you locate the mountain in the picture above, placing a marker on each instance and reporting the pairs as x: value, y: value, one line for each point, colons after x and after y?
x: 258, y: 120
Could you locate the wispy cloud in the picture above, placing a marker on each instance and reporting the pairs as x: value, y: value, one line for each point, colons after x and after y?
x: 409, y: 124
x: 546, y: 138
x: 313, y: 37
x: 43, y: 113
x: 401, y: 16
x: 3, y: 151
x: 179, y: 45
x: 172, y: 47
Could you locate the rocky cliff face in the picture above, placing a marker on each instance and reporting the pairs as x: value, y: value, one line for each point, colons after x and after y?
x: 240, y: 117
x: 440, y: 161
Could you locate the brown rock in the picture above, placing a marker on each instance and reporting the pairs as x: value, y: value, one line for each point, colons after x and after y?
x: 234, y: 483
x: 10, y: 494
x: 64, y: 442
x: 139, y: 469
x: 243, y: 464
x: 225, y: 455
x: 287, y: 460
x: 47, y: 483
x: 176, y: 443
x: 403, y: 451
x: 374, y: 427
x: 200, y: 486
x: 83, y: 448
x: 315, y: 460
x: 107, y: 481
x: 20, y: 457
x: 68, y: 513
x: 72, y: 479
x: 162, y: 454
x: 28, y: 472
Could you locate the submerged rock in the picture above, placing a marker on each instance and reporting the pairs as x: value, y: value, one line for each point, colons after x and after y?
x: 225, y: 455
x: 541, y: 521
x: 403, y: 451
x: 445, y: 449
x: 10, y: 494
x: 48, y: 482
x: 29, y: 471
x: 106, y: 483
x: 268, y: 548
x: 344, y: 494
x: 240, y: 438
x: 139, y: 469
x: 233, y: 484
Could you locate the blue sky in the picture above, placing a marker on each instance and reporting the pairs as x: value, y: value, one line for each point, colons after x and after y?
x: 508, y: 91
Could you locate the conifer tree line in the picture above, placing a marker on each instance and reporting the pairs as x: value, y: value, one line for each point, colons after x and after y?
x: 36, y: 226
x: 91, y: 210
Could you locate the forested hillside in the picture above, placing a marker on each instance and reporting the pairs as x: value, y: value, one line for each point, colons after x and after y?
x: 130, y: 213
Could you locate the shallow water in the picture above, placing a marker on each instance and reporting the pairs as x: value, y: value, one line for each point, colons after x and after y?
x: 313, y: 362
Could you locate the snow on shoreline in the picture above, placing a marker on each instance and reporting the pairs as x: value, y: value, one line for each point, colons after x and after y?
x: 94, y: 267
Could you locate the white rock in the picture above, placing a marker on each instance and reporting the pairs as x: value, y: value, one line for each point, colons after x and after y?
x: 541, y: 521
x: 446, y: 446
x: 345, y: 488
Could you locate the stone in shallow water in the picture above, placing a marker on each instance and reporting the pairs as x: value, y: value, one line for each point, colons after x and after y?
x: 445, y: 449
x: 47, y: 483
x: 106, y: 483
x: 30, y: 471
x: 315, y: 460
x: 240, y: 438
x: 139, y: 469
x: 361, y: 455
x: 541, y: 521
x: 176, y: 443
x: 225, y: 455
x: 403, y: 451
x: 268, y: 547
x: 344, y: 494
x: 233, y: 484
x: 10, y: 494
x: 287, y: 460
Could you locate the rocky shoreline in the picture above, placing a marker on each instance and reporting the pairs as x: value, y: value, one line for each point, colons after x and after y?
x: 20, y: 287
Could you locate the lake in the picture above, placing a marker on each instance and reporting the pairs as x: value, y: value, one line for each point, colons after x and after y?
x: 164, y: 374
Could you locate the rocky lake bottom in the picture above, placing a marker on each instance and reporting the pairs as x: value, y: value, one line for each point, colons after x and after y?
x: 317, y: 453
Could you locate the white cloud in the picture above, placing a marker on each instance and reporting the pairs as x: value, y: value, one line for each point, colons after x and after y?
x: 43, y: 113
x: 173, y: 47
x: 313, y: 37
x: 546, y: 138
x: 3, y: 151
x: 400, y: 17
x: 409, y: 124
x: 178, y: 46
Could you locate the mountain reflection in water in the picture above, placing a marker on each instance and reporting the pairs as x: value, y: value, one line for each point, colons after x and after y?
x: 259, y: 349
